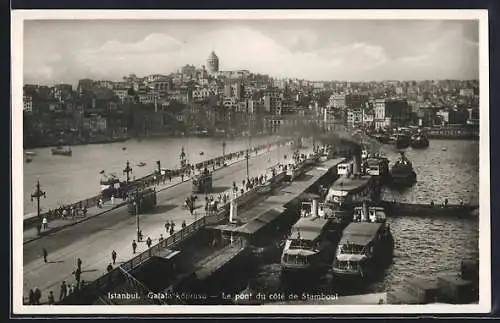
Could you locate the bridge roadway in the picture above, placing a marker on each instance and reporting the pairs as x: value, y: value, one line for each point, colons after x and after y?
x: 93, y: 240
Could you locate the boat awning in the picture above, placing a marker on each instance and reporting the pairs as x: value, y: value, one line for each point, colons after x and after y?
x: 172, y: 254
x: 258, y: 223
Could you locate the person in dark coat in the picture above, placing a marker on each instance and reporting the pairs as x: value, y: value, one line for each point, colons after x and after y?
x: 51, y: 298
x: 134, y: 246
x: 183, y: 224
x: 31, y: 297
x: 64, y: 290
x: 37, y: 295
x: 149, y: 242
x: 45, y: 254
x: 79, y: 264
x: 109, y: 268
x: 78, y: 274
x: 167, y: 226
x: 113, y: 256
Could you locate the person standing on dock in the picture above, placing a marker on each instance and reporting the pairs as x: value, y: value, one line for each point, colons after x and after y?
x: 112, y: 201
x: 171, y: 230
x: 109, y: 268
x: 149, y: 242
x: 167, y: 226
x: 113, y: 256
x: 134, y: 246
x: 45, y: 223
x: 79, y: 264
x: 64, y: 291
x: 183, y: 224
x: 45, y: 254
x: 445, y: 202
x: 51, y: 300
x: 160, y: 239
x: 78, y: 274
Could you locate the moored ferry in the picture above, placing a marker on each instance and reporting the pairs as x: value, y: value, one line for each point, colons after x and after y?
x: 347, y: 192
x: 109, y: 182
x: 376, y: 165
x: 310, y: 245
x: 402, y: 172
x: 366, y: 246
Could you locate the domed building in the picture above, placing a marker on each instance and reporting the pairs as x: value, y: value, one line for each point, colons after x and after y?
x: 213, y: 63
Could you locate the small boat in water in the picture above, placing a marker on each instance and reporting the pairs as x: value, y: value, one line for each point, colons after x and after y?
x: 366, y: 246
x: 402, y: 141
x: 419, y: 140
x: 29, y: 159
x: 201, y: 153
x: 141, y: 164
x: 376, y: 165
x: 444, y: 148
x: 402, y: 172
x: 60, y: 150
x: 124, y: 148
x: 30, y: 153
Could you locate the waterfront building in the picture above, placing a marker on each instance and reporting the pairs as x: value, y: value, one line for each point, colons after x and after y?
x: 396, y: 110
x: 213, y: 63
x: 27, y: 103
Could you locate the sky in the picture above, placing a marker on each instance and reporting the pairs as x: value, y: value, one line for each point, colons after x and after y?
x: 64, y: 51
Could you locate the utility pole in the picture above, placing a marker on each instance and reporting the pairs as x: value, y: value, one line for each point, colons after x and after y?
x: 127, y: 171
x: 224, y: 150
x: 37, y: 195
x: 137, y: 213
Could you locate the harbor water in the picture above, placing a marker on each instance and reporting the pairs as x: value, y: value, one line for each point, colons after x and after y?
x: 70, y: 179
x: 424, y: 246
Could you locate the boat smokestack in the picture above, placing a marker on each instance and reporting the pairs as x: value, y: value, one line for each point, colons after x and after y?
x: 357, y: 162
x: 314, y: 208
x: 233, y: 210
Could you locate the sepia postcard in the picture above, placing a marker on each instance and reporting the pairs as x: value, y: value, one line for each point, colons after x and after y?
x: 249, y: 162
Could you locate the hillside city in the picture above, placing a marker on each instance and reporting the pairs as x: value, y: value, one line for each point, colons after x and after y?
x: 205, y: 101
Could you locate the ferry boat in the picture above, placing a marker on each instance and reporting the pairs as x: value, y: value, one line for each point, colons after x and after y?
x: 345, y: 168
x: 376, y: 165
x: 310, y: 245
x: 402, y: 140
x: 347, y: 192
x: 419, y: 140
x: 402, y: 172
x: 366, y: 246
x: 60, y: 150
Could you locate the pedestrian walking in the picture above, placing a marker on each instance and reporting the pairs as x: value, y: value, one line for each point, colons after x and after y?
x: 167, y: 226
x: 77, y: 273
x: 37, y: 294
x: 134, y: 246
x: 45, y: 223
x: 64, y: 290
x: 109, y: 268
x: 161, y: 238
x: 45, y: 254
x: 113, y: 256
x: 31, y: 297
x: 51, y: 300
x: 149, y: 242
x: 79, y: 264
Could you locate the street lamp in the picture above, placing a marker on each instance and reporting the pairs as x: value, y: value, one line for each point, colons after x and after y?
x: 127, y: 171
x: 37, y: 194
x: 136, y: 203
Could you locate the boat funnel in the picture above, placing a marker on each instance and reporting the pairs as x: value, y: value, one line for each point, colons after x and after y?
x: 357, y: 162
x: 364, y: 216
x: 233, y: 210
x: 314, y: 208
